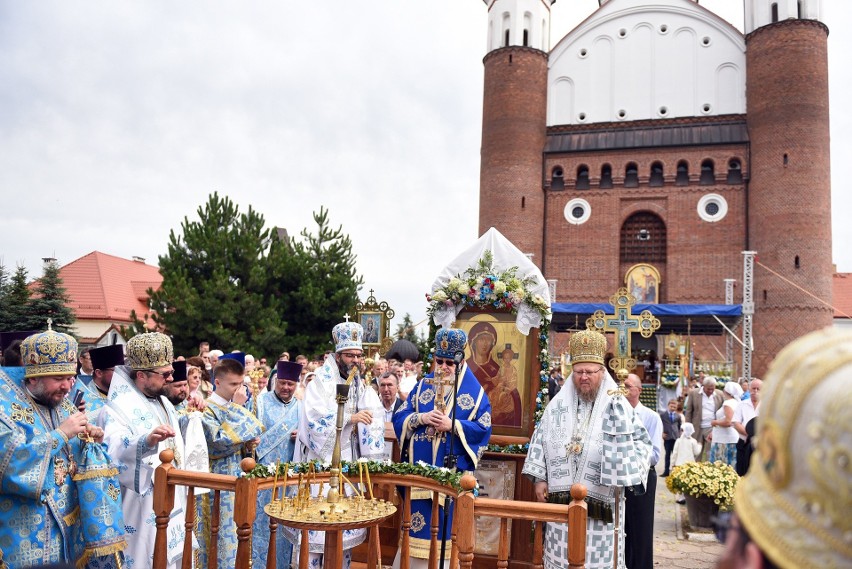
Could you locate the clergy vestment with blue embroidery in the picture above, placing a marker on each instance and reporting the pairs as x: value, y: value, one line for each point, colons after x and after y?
x: 127, y: 419
x: 281, y: 420
x: 317, y: 432
x: 471, y: 432
x: 39, y: 501
x: 227, y: 427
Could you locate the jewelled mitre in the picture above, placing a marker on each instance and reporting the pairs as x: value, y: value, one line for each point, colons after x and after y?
x: 448, y: 341
x: 148, y: 351
x: 49, y: 353
x: 587, y: 346
x: 348, y: 336
x: 795, y: 500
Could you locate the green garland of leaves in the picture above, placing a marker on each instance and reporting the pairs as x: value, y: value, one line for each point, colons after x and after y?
x: 484, y: 288
x: 440, y: 475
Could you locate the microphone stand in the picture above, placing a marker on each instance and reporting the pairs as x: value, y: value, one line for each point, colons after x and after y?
x: 450, y: 459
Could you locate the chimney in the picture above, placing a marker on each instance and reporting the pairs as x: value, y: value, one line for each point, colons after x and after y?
x: 138, y: 259
x: 47, y: 261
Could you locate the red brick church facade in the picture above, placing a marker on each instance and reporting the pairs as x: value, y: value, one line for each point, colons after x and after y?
x: 686, y: 193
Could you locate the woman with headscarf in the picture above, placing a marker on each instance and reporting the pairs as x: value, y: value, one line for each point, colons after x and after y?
x: 724, y: 436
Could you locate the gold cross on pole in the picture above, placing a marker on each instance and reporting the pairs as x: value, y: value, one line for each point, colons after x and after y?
x: 622, y: 322
x: 440, y: 383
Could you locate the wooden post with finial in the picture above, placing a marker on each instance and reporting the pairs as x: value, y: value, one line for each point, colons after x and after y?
x: 245, y: 505
x: 578, y: 513
x: 464, y: 510
x: 164, y: 503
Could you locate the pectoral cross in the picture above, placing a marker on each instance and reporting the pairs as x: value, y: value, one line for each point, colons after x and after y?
x: 623, y: 322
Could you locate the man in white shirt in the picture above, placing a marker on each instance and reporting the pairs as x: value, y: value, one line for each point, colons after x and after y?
x: 746, y: 411
x: 639, y: 512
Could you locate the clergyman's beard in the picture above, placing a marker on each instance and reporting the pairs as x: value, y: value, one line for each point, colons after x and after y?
x: 588, y: 396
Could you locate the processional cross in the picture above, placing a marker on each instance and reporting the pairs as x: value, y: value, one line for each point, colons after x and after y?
x: 440, y: 382
x: 623, y: 322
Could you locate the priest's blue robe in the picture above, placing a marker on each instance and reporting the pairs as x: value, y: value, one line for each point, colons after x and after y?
x: 39, y: 502
x: 227, y: 427
x: 471, y: 431
x: 281, y: 420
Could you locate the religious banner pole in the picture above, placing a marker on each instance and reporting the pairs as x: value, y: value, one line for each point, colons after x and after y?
x: 622, y: 322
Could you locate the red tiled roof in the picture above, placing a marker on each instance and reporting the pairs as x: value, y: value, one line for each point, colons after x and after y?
x: 842, y: 293
x: 105, y: 287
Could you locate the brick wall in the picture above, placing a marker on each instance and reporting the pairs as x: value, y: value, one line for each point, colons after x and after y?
x: 789, y: 200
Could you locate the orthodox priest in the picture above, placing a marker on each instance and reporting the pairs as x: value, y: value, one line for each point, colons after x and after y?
x: 425, y: 430
x: 586, y: 433
x: 139, y: 422
x: 363, y: 434
x: 94, y: 394
x: 279, y: 411
x: 43, y: 508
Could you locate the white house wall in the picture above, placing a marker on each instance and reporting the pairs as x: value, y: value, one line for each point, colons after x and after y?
x: 634, y: 60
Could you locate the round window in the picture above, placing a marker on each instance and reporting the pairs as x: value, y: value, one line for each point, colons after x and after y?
x: 712, y: 208
x: 577, y: 211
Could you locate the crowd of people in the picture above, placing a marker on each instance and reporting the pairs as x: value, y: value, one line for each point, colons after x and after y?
x: 81, y: 437
x: 211, y: 410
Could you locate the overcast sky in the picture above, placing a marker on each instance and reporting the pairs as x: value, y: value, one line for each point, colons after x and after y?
x: 117, y: 119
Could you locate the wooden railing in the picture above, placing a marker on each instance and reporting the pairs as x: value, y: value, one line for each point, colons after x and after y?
x: 467, y: 506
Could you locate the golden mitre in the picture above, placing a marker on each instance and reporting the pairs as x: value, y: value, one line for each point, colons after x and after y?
x: 587, y: 346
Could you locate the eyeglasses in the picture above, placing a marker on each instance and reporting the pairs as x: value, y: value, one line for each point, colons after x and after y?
x: 353, y: 356
x: 166, y: 374
x: 442, y: 361
x: 586, y: 372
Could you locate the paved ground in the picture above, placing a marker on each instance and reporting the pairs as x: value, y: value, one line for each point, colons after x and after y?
x: 675, y: 544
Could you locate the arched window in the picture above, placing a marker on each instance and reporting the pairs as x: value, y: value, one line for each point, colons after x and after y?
x: 643, y: 238
x: 606, y: 177
x: 526, y: 38
x: 506, y: 38
x: 774, y: 12
x: 708, y: 174
x: 656, y: 179
x: 631, y: 175
x: 735, y: 171
x: 583, y: 177
x: 557, y: 179
x: 682, y: 178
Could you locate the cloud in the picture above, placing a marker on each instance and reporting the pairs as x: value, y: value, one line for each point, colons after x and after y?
x: 118, y: 119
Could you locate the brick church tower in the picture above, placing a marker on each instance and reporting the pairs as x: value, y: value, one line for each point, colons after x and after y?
x: 657, y: 135
x: 789, y: 193
x: 513, y: 126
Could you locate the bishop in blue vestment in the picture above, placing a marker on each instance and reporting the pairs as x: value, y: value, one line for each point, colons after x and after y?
x: 424, y: 427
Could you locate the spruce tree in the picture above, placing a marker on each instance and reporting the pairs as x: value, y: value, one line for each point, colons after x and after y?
x: 4, y: 299
x: 51, y: 300
x: 18, y: 304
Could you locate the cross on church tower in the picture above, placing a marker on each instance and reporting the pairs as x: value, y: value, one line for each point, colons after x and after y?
x: 622, y: 322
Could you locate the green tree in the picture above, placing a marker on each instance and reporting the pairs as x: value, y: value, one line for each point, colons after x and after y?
x: 18, y: 298
x: 406, y: 330
x: 4, y: 298
x: 51, y: 300
x: 322, y: 284
x: 229, y: 281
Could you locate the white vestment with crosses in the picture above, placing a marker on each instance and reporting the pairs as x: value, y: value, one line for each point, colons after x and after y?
x: 552, y: 457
